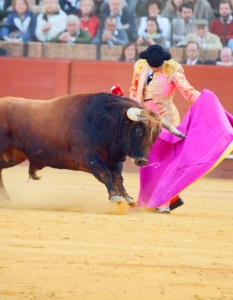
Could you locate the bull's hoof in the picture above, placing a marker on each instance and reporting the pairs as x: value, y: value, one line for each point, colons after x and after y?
x: 130, y: 201
x: 116, y: 199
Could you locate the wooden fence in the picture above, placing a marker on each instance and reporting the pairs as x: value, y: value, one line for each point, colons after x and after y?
x: 85, y: 52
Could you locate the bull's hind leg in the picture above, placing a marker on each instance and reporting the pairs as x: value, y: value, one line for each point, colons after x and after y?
x: 118, y: 183
x: 3, y: 193
x: 99, y: 169
x: 9, y: 158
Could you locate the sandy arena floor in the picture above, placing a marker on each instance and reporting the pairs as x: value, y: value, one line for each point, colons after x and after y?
x: 62, y: 239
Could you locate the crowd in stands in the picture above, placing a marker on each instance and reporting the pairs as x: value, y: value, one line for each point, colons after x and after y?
x: 191, y: 24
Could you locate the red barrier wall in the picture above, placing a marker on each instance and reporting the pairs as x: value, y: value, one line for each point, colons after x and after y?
x: 34, y: 78
x: 99, y: 76
x: 49, y: 78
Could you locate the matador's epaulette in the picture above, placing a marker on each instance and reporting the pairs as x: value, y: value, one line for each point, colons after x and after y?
x: 140, y: 65
x: 170, y: 67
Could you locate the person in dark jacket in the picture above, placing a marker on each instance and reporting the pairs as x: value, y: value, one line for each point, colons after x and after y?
x: 110, y: 35
x: 192, y: 53
x: 125, y: 19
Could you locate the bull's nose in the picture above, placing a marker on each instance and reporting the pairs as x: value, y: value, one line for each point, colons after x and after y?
x: 140, y: 162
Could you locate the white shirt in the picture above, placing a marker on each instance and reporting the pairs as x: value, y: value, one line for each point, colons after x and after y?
x: 190, y: 63
x: 150, y: 72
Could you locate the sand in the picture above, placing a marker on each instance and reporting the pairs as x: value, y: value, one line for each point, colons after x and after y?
x: 62, y: 239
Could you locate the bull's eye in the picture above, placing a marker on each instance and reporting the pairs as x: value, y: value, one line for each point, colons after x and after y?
x: 139, y: 131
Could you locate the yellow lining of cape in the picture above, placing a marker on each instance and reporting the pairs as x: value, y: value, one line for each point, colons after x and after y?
x: 228, y: 150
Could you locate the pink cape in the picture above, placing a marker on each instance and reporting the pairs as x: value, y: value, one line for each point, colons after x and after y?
x: 175, y: 163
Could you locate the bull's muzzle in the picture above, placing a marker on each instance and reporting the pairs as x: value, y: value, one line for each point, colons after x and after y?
x: 140, y: 161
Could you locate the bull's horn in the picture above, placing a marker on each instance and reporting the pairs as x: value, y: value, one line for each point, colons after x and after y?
x: 172, y: 129
x: 134, y: 113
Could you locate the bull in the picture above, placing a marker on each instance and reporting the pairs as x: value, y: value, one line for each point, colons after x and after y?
x: 87, y: 132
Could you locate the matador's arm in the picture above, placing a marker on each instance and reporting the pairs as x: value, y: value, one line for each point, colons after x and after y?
x: 185, y: 88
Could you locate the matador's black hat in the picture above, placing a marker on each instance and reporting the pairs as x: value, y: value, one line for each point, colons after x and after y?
x: 155, y: 55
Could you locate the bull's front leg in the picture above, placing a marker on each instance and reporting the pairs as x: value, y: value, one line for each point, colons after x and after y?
x: 118, y: 182
x: 99, y: 169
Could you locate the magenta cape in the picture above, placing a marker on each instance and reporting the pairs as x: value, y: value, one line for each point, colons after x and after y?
x: 176, y: 163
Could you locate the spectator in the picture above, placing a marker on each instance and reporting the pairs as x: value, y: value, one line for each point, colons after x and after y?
x: 73, y: 33
x: 70, y: 6
x: 88, y: 20
x: 125, y: 19
x: 130, y: 4
x: 192, y: 53
x: 182, y: 25
x: 225, y: 58
x: 152, y: 34
x: 203, y: 37
x: 171, y: 10
x: 154, y: 8
x: 217, y: 26
x: 202, y: 10
x: 129, y: 53
x: 110, y: 35
x: 20, y: 23
x: 51, y: 22
x: 4, y: 8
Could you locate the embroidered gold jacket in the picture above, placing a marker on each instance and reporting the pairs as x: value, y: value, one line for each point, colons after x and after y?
x: 163, y: 84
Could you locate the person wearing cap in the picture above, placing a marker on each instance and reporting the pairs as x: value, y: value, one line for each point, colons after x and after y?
x: 202, y: 36
x: 155, y: 80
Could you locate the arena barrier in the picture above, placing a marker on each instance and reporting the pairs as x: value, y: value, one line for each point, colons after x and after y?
x: 86, y: 52
x: 50, y: 78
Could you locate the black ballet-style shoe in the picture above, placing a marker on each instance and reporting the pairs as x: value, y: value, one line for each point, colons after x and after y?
x: 176, y: 204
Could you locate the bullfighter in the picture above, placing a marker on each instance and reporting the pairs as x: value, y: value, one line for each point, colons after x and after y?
x: 155, y: 80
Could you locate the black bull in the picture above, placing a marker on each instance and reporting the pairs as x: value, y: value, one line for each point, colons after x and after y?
x: 88, y: 132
